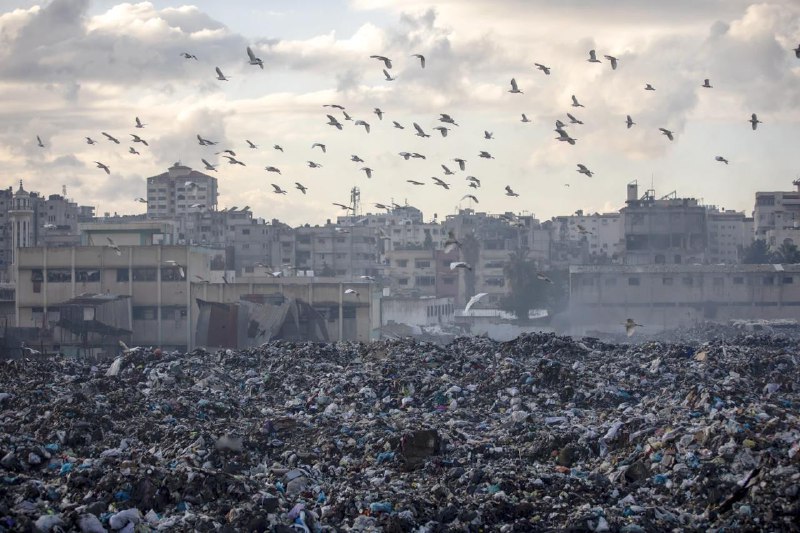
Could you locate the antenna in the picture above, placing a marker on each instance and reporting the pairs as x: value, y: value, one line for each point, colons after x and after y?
x: 64, y: 191
x: 355, y: 200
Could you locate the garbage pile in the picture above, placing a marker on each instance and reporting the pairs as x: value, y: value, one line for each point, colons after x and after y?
x: 540, y: 433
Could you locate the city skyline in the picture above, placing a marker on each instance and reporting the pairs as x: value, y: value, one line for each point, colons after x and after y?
x: 74, y: 68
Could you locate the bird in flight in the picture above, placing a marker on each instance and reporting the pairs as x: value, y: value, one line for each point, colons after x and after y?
x: 351, y: 291
x: 460, y: 264
x: 253, y: 60
x: 649, y: 87
x: 343, y: 206
x: 593, y: 57
x: 525, y: 119
x: 133, y: 151
x: 367, y: 171
x: 472, y: 301
x: 312, y: 164
x: 564, y: 136
x: 510, y: 191
x: 420, y: 132
x: 203, y: 142
x: 278, y: 147
x: 630, y: 326
x: 138, y: 139
x: 443, y: 130
x: 209, y: 166
x: 415, y: 155
x: 543, y: 68
x: 103, y: 166
x: 754, y: 121
x: 300, y: 187
x: 362, y: 123
x: 320, y: 145
x: 573, y: 120
x: 251, y: 144
x: 471, y: 197
x: 414, y: 182
x: 706, y: 84
x: 397, y: 125
x: 233, y: 161
x: 629, y: 121
x: 447, y: 171
x: 273, y: 169
x: 447, y: 119
x: 111, y: 244
x: 187, y: 55
x: 141, y: 200
x: 332, y: 121
x: 440, y: 183
x: 421, y: 59
x: 542, y: 277
x: 388, y: 76
x: 378, y: 112
x: 575, y: 102
x: 139, y: 123
x: 357, y: 159
x: 386, y: 61
x: 583, y: 170
x: 39, y: 142
x: 667, y: 132
x: 613, y: 61
x: 89, y: 140
x: 227, y: 151
x: 221, y: 76
x: 488, y: 135
x: 277, y: 189
x: 721, y: 159
x: 474, y: 180
x: 451, y: 243
x: 514, y: 89
x: 335, y: 106
x: 485, y: 155
x: 110, y: 138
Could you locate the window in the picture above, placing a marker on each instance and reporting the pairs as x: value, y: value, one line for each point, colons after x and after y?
x: 495, y: 282
x: 144, y: 274
x: 59, y: 275
x: 738, y: 280
x: 788, y: 279
x: 634, y: 282
x: 420, y: 263
x: 172, y: 273
x: 402, y: 262
x: 425, y: 281
x: 245, y: 231
x: 667, y: 281
x: 144, y: 312
x: 122, y: 274
x: 84, y: 276
x: 36, y: 279
x: 402, y: 281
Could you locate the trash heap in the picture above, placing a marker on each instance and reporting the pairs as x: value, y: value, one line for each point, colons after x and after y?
x: 540, y: 433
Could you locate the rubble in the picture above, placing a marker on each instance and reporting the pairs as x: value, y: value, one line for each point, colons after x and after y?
x: 539, y: 433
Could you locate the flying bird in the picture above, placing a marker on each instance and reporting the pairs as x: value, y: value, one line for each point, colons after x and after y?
x: 205, y: 142
x: 560, y: 125
x: 593, y: 57
x: 542, y: 277
x: 488, y: 135
x: 471, y: 197
x: 474, y: 180
x: 332, y: 121
x: 575, y: 102
x: 227, y: 151
x: 462, y: 163
x: 141, y: 200
x: 721, y: 159
x: 277, y: 188
x: 754, y: 121
x: 39, y: 142
x: 335, y: 106
x: 381, y: 206
x: 514, y: 89
x: 510, y: 191
x: 351, y: 291
x: 706, y: 84
x: 447, y: 171
x: 447, y: 119
x: 460, y: 264
x: 630, y: 326
x: 421, y: 59
x: 440, y: 183
x: 320, y: 145
x: 564, y: 136
x: 405, y: 155
x: 525, y: 119
x: 583, y: 170
x: 139, y: 123
x: 103, y: 166
x: 629, y: 121
x: 187, y: 55
x: 253, y: 60
x: 251, y: 144
x: 667, y: 132
x: 89, y: 140
x: 649, y: 87
x: 312, y: 164
x: 485, y: 155
x: 209, y: 166
x: 111, y: 244
x: 386, y: 61
x: 397, y: 125
x: 420, y: 132
x: 343, y: 206
x: 443, y: 130
x: 357, y: 159
x: 415, y: 155
x: 573, y: 120
x: 543, y: 68
x: 414, y: 182
x: 613, y: 61
x: 362, y: 123
x: 221, y: 76
x: 378, y: 112
x: 300, y: 187
x: 133, y: 151
x: 278, y: 147
x: 346, y: 115
x: 138, y: 139
x: 110, y: 138
x: 273, y: 169
x: 388, y: 76
x: 367, y: 171
x: 451, y: 243
x: 472, y: 301
x: 233, y: 161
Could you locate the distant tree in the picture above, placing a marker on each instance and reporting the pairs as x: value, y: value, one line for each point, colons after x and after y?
x: 757, y: 253
x: 788, y: 253
x: 529, y: 292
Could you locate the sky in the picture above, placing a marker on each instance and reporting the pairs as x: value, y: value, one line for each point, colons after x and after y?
x: 72, y: 69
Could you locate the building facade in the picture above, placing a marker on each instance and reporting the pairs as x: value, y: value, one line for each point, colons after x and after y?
x: 180, y: 191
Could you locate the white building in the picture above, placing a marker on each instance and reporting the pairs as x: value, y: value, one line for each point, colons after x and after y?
x: 180, y: 191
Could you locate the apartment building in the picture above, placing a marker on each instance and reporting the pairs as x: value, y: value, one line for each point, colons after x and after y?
x: 179, y: 192
x: 729, y: 233
x: 333, y: 250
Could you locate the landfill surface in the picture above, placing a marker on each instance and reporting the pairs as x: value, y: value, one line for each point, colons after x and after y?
x: 542, y: 433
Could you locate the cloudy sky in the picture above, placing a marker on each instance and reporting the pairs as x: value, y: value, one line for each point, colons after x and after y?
x: 71, y: 69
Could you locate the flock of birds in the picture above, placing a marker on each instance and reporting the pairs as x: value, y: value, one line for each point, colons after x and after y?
x: 337, y: 118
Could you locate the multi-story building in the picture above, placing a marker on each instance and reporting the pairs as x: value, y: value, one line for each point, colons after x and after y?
x: 333, y: 250
x: 776, y: 210
x: 729, y: 233
x: 179, y: 192
x: 668, y: 230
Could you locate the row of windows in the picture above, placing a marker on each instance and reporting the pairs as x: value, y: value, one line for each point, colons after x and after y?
x: 689, y: 281
x: 439, y: 310
x: 64, y: 275
x: 426, y: 281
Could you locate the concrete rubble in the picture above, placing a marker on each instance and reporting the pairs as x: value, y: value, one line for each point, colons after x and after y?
x: 542, y: 433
